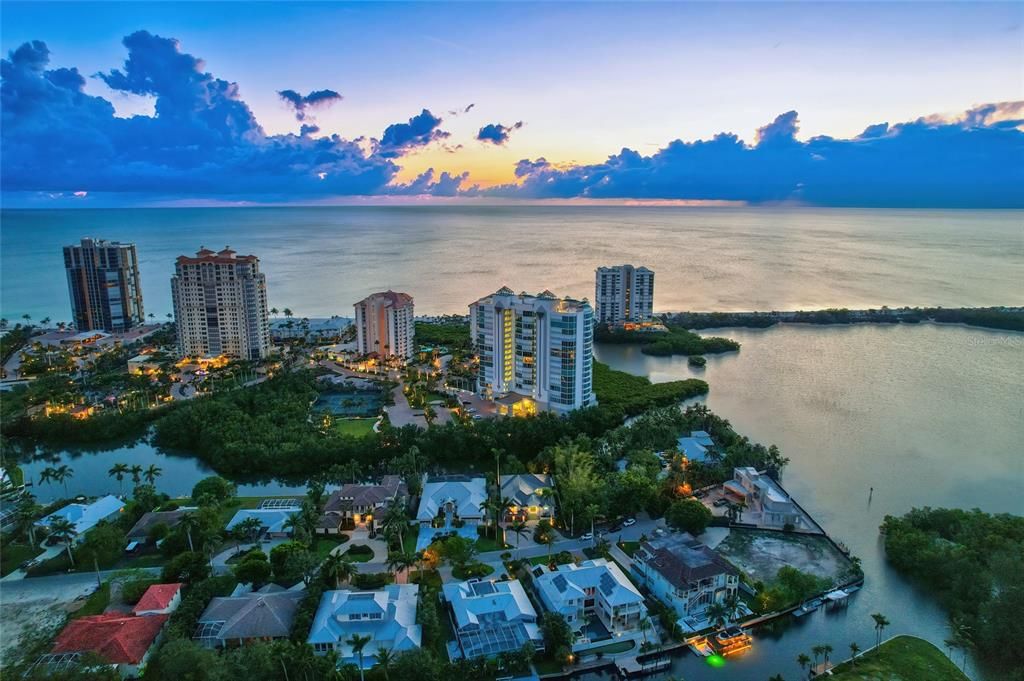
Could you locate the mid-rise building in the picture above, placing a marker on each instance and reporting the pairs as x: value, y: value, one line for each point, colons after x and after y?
x: 385, y: 326
x: 535, y: 352
x: 624, y: 294
x: 103, y: 282
x: 220, y: 305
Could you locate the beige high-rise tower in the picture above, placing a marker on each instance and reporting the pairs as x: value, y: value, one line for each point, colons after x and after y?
x: 384, y: 325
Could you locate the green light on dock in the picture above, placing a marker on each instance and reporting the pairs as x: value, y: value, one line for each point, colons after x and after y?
x: 715, y: 660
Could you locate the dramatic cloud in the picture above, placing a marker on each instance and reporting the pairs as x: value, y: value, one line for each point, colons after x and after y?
x: 425, y: 184
x: 202, y: 139
x: 496, y: 133
x: 420, y: 131
x: 314, y: 100
x: 974, y: 160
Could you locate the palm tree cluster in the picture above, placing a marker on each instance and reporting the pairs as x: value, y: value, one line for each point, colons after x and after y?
x: 58, y: 474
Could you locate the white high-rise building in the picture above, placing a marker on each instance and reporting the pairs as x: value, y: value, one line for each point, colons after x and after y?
x: 536, y: 352
x: 624, y: 294
x: 385, y: 326
x: 220, y: 305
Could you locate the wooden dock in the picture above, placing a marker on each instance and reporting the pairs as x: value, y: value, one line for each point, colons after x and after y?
x: 630, y: 666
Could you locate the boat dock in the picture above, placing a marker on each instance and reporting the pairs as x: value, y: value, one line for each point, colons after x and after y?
x: 631, y: 666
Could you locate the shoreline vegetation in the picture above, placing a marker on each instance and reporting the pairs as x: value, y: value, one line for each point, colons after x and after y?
x: 675, y: 341
x: 901, y: 657
x: 1002, y: 318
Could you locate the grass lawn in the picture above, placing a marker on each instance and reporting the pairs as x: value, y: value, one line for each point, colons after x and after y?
x: 485, y: 542
x: 324, y: 545
x: 904, y: 658
x: 629, y: 547
x: 96, y: 603
x: 409, y: 538
x: 353, y: 427
x: 546, y: 665
x: 539, y: 560
x: 474, y: 570
x: 359, y: 553
x: 14, y: 555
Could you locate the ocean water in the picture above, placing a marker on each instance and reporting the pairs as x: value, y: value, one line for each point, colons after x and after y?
x: 319, y: 261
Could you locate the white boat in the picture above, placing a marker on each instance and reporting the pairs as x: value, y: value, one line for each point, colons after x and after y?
x: 700, y: 646
x: 807, y: 608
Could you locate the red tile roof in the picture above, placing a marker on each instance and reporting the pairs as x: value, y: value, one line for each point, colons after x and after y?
x: 117, y: 638
x: 157, y: 597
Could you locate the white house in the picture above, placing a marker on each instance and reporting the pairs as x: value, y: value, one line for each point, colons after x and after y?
x: 594, y: 587
x: 452, y: 497
x: 491, y: 618
x: 767, y: 505
x: 85, y: 516
x: 684, y: 573
x: 273, y: 519
x: 388, y: 617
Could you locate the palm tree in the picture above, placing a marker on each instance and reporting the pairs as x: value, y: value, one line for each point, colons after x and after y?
x: 827, y: 650
x: 645, y: 626
x: 27, y: 510
x: 46, y: 475
x: 519, y: 528
x: 189, y: 524
x: 287, y: 313
x: 152, y: 473
x: 816, y: 651
x: 63, y: 530
x: 273, y: 311
x: 881, y: 622
x: 716, y: 614
x: 119, y: 470
x: 732, y: 606
x: 358, y: 643
x: 136, y: 472
x: 854, y: 649
x: 384, y: 659
x: 27, y: 318
x: 500, y: 506
x: 61, y: 474
x: 803, y: 660
x: 338, y: 568
x: 45, y: 321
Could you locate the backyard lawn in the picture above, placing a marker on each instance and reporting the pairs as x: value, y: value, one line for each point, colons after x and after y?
x: 903, y: 658
x: 324, y: 545
x: 485, y: 543
x: 611, y: 648
x: 629, y: 547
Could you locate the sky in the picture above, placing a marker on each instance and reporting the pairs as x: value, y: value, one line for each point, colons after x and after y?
x: 730, y: 102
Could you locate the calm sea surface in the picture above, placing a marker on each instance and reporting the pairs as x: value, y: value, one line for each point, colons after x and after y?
x: 319, y: 261
x: 927, y: 415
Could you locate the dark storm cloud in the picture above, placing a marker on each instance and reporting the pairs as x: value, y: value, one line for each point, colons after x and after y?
x: 419, y: 131
x: 976, y: 160
x: 496, y: 133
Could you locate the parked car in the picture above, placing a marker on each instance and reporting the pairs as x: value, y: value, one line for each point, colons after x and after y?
x: 720, y: 502
x: 629, y: 522
x: 700, y: 494
x: 615, y: 528
x: 477, y: 417
x: 587, y: 537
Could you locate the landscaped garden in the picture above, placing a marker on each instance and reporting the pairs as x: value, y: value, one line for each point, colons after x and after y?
x: 901, y: 658
x: 359, y: 553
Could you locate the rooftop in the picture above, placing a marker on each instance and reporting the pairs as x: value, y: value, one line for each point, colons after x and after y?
x: 267, y: 613
x: 157, y: 597
x: 117, y: 638
x: 683, y: 560
x: 464, y: 493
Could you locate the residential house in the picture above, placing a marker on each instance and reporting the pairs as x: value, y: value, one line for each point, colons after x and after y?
x: 684, y: 573
x: 595, y: 598
x: 767, y: 504
x: 159, y: 599
x: 491, y: 618
x: 247, y: 617
x: 531, y: 496
x: 274, y: 521
x: 124, y: 641
x: 450, y: 505
x: 696, y: 446
x: 357, y: 503
x: 141, y: 529
x: 85, y: 516
x: 388, y: 617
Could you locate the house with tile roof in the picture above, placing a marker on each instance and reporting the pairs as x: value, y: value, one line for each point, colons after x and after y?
x: 596, y: 590
x: 490, y: 618
x: 248, y: 616
x: 124, y: 641
x: 357, y: 503
x: 531, y: 494
x: 159, y: 599
x: 388, y: 617
x: 686, y: 574
x: 85, y: 516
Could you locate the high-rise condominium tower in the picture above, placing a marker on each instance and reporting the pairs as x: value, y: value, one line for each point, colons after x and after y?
x: 220, y: 305
x: 537, y: 347
x: 384, y: 325
x: 624, y: 294
x: 103, y: 282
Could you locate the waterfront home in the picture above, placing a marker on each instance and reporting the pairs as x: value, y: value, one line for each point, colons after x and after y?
x: 273, y: 515
x: 490, y: 618
x: 355, y: 504
x: 122, y: 641
x: 767, y: 505
x: 248, y: 616
x: 85, y: 516
x: 595, y: 598
x: 450, y: 505
x: 696, y: 446
x: 687, y: 575
x: 531, y: 496
x: 141, y: 529
x: 159, y: 599
x: 388, y: 617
